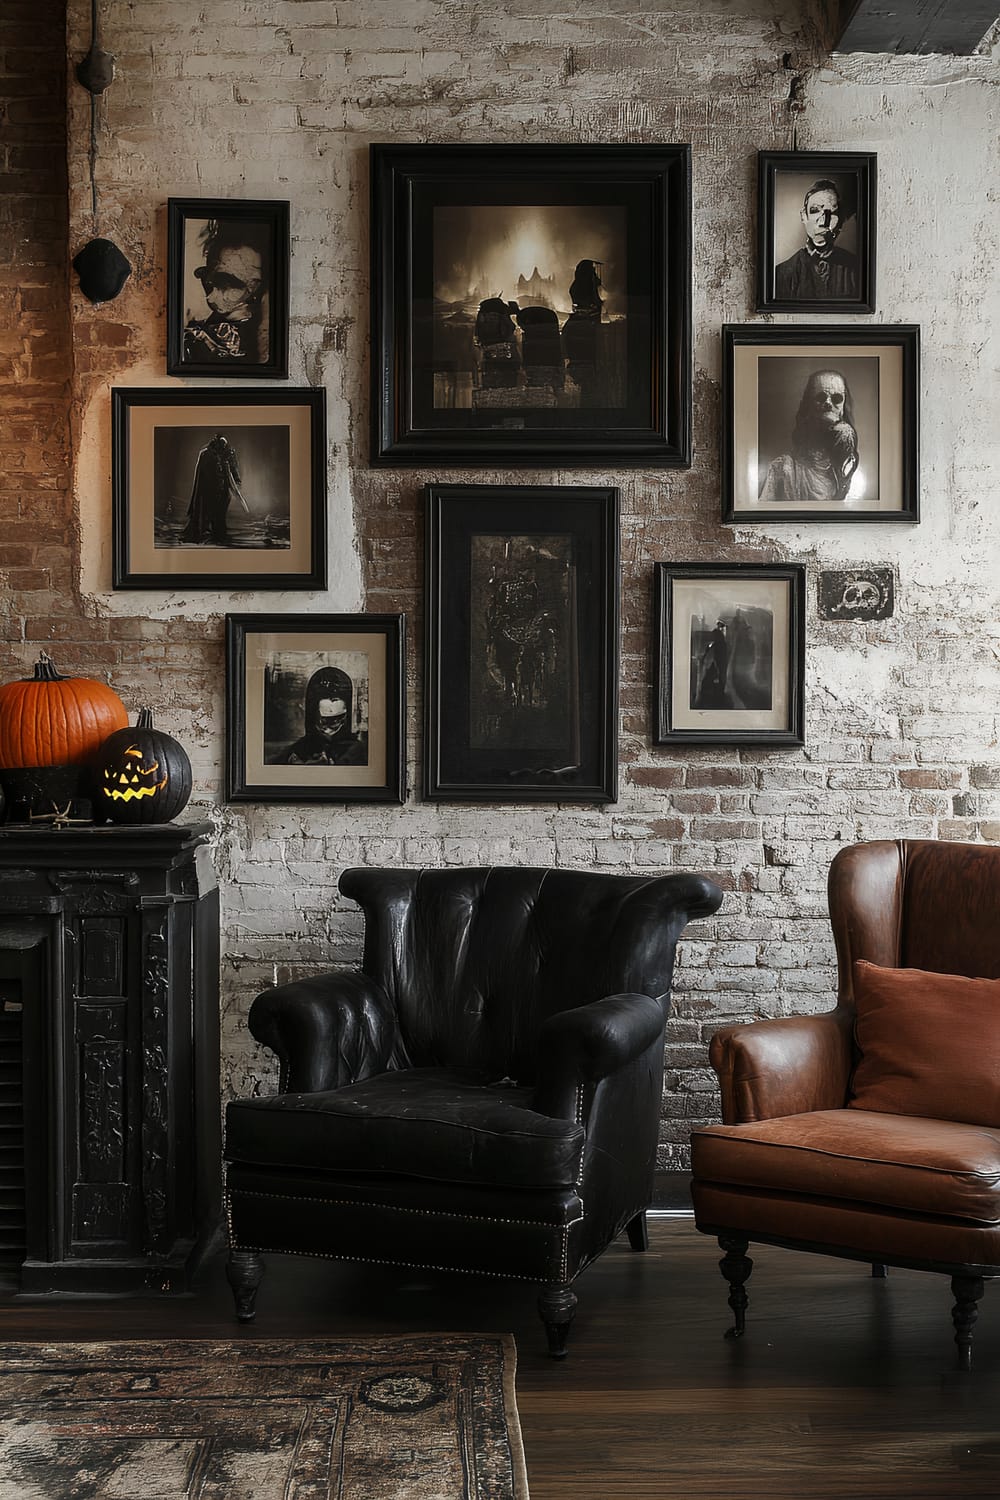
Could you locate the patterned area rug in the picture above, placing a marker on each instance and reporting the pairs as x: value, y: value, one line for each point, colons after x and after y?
x: 429, y: 1417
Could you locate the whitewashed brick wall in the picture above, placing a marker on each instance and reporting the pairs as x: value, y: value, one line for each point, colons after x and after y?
x: 281, y: 98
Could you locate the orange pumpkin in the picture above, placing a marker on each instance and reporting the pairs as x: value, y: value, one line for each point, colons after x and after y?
x: 52, y: 720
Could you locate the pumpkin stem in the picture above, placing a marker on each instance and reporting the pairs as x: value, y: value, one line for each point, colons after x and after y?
x: 45, y: 670
x: 145, y: 719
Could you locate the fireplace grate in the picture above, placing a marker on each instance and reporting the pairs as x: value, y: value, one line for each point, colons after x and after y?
x: 13, y: 1228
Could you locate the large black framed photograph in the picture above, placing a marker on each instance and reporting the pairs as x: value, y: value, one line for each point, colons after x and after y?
x: 531, y: 304
x: 730, y: 658
x: 816, y: 227
x: 521, y: 644
x: 315, y: 708
x: 227, y: 288
x: 220, y: 489
x: 820, y: 422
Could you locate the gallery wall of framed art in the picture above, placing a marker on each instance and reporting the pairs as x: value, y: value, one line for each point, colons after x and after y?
x: 531, y: 304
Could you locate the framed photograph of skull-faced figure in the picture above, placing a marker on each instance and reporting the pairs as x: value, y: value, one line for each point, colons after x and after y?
x: 820, y: 423
x: 227, y: 288
x: 816, y: 231
x: 521, y: 644
x: 730, y: 660
x: 315, y: 708
x: 531, y: 304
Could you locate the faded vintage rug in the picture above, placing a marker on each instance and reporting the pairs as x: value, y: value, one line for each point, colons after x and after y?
x: 427, y: 1417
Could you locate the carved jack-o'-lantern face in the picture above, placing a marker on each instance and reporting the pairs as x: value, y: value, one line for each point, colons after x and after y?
x: 142, y: 775
x: 133, y: 780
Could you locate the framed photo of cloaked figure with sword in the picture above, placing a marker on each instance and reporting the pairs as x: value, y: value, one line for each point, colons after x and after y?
x: 219, y: 489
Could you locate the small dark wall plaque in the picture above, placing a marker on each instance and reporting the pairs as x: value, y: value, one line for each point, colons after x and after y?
x: 856, y: 594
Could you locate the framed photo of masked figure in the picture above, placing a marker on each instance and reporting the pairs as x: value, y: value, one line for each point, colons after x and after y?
x: 816, y: 231
x: 227, y: 288
x: 820, y: 423
x: 315, y: 708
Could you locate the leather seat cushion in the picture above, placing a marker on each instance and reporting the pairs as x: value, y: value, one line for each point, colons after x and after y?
x: 440, y: 1124
x: 899, y: 1161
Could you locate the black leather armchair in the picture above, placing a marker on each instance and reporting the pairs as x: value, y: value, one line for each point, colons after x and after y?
x: 483, y: 1096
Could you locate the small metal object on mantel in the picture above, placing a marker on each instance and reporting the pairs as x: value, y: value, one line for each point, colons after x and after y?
x: 912, y: 26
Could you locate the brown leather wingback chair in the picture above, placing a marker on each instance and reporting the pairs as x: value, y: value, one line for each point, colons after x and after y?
x: 484, y: 1095
x: 794, y: 1164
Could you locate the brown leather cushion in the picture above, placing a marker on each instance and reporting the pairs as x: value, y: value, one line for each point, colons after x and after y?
x: 898, y: 1161
x: 929, y: 1044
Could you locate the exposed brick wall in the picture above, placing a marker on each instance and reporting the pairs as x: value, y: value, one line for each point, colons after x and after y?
x: 281, y: 99
x: 37, y: 555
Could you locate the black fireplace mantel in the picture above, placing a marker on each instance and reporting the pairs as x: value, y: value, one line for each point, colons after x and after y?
x: 109, y: 1056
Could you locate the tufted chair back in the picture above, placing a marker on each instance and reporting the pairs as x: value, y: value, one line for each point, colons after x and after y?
x: 476, y: 960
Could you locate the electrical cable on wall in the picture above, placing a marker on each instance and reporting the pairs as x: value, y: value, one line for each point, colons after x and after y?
x: 102, y: 268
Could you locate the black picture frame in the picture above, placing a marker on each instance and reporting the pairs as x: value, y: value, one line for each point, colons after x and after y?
x: 237, y: 251
x: 284, y: 672
x: 785, y: 458
x: 816, y: 231
x: 521, y: 643
x: 171, y: 509
x: 741, y: 680
x: 442, y: 251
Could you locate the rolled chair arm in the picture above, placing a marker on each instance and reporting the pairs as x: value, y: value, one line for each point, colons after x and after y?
x: 590, y: 1042
x: 783, y: 1067
x: 327, y: 1031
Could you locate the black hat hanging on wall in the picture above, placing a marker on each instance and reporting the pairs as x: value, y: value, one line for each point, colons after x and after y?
x: 102, y: 268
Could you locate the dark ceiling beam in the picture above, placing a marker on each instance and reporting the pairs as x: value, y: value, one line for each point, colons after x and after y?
x: 955, y: 26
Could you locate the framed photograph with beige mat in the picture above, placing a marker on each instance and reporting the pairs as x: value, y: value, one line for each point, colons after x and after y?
x: 315, y: 708
x: 218, y: 489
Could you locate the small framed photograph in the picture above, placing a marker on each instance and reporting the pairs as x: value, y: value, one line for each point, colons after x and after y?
x: 227, y: 288
x: 820, y: 423
x: 521, y: 644
x: 730, y: 661
x: 221, y: 489
x: 315, y: 708
x: 531, y: 305
x: 816, y: 231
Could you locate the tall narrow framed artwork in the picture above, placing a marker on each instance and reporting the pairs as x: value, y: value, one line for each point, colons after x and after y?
x: 816, y: 231
x: 531, y: 305
x: 521, y: 644
x: 315, y: 708
x: 730, y: 654
x: 820, y: 422
x: 227, y: 288
x: 219, y: 489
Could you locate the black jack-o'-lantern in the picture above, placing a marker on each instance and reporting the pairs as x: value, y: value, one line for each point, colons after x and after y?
x: 141, y: 775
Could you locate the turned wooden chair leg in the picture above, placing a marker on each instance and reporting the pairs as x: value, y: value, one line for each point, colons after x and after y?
x: 967, y: 1291
x: 736, y: 1266
x: 638, y: 1231
x: 245, y: 1272
x: 556, y: 1306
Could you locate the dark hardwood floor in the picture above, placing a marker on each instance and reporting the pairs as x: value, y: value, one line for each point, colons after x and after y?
x: 845, y: 1387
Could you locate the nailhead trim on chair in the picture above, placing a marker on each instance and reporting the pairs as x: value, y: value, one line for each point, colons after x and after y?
x: 374, y: 1260
x: 431, y: 1213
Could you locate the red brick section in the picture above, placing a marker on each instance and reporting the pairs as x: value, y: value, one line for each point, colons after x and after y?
x: 37, y: 527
